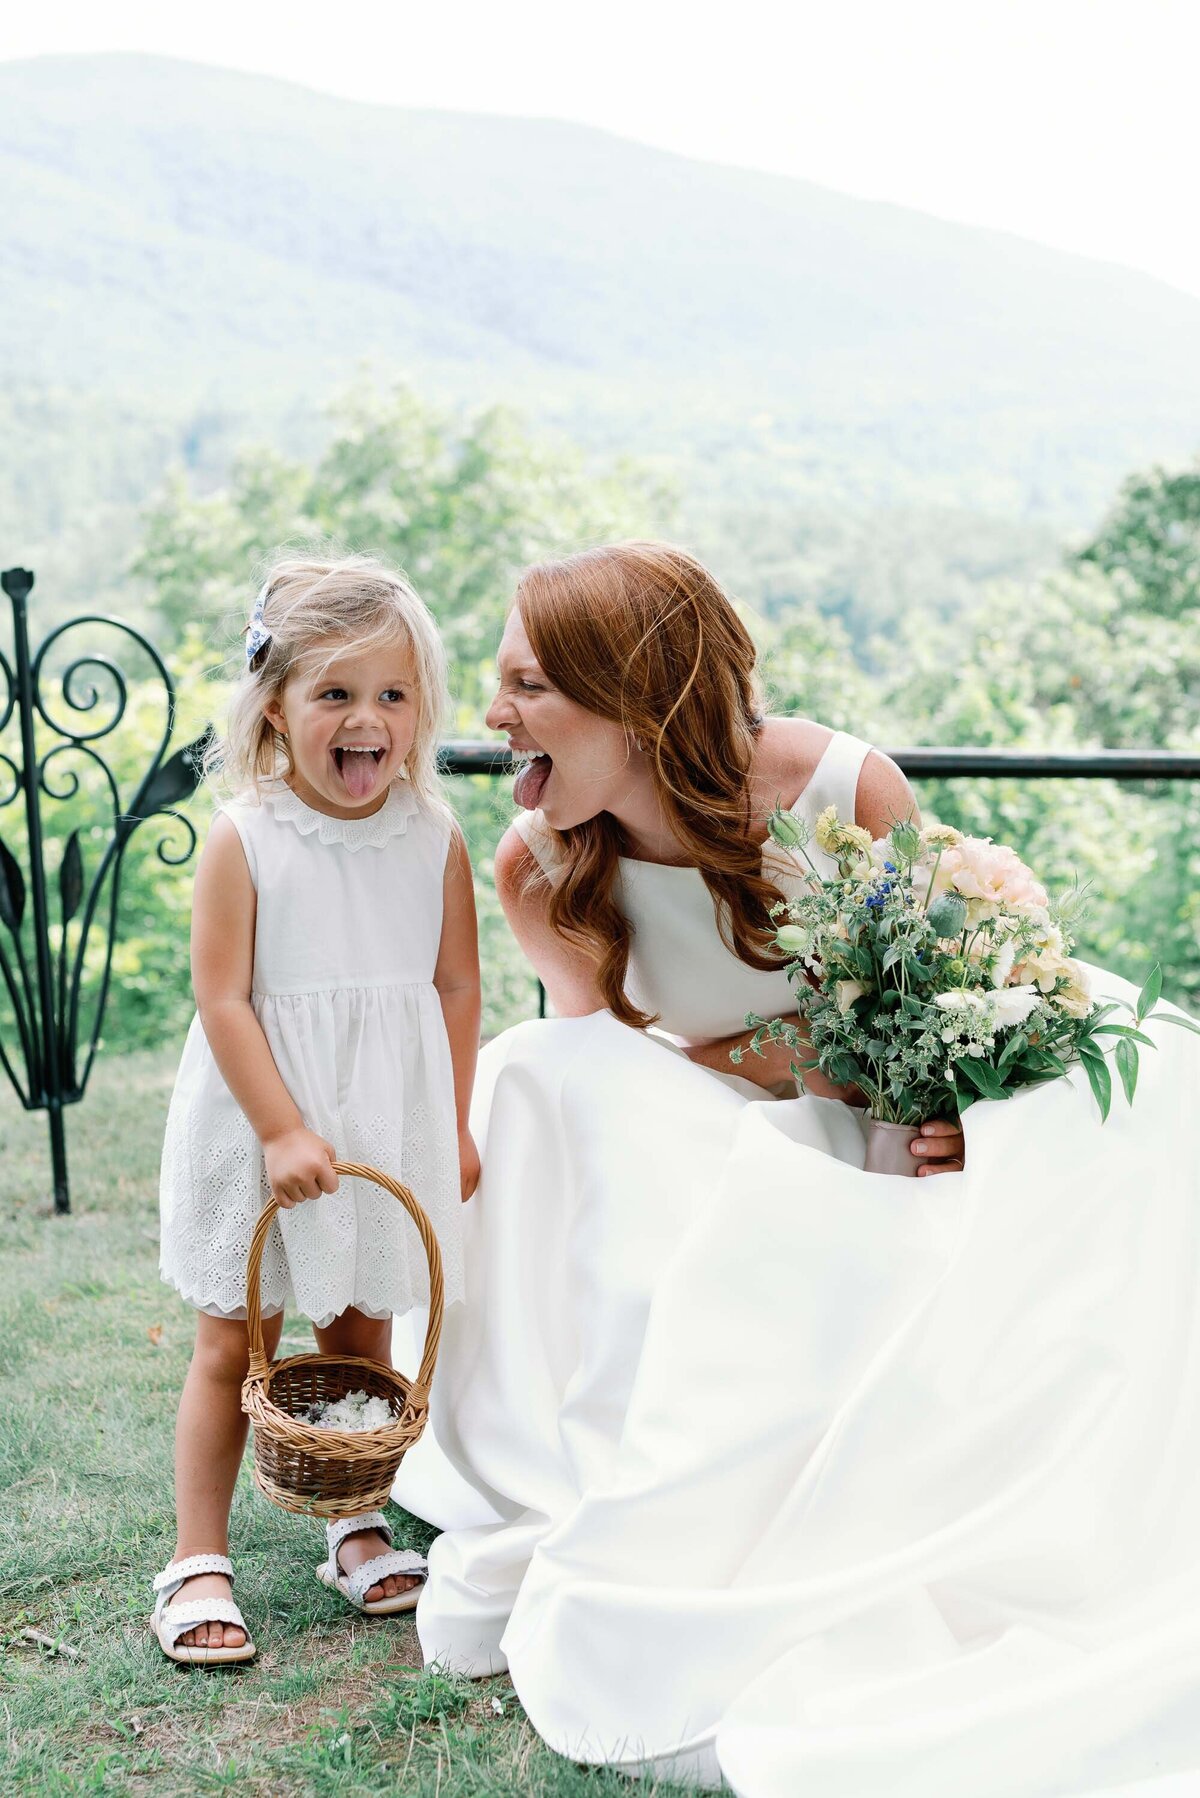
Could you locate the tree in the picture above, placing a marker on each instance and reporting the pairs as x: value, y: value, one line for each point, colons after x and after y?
x: 459, y: 503
x: 1149, y: 545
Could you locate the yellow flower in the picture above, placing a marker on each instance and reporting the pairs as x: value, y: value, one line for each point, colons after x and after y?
x: 853, y: 836
x: 1076, y: 997
x: 940, y: 836
x: 839, y: 839
x: 826, y: 829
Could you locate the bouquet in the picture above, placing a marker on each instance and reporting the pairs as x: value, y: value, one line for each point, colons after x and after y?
x: 934, y: 970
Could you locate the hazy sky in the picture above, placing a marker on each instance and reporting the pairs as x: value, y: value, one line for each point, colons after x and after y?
x: 1069, y: 121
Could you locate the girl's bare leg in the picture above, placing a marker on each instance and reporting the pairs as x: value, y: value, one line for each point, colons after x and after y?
x: 354, y: 1334
x: 210, y: 1439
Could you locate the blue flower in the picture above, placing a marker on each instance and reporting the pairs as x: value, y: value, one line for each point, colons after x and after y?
x: 889, y: 867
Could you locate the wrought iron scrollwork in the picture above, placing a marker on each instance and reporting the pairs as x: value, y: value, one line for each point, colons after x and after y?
x: 44, y: 960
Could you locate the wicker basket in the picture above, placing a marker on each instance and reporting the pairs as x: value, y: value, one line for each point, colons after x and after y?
x: 334, y: 1473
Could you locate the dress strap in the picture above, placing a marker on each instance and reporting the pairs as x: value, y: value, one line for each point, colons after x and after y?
x: 538, y: 838
x: 835, y: 778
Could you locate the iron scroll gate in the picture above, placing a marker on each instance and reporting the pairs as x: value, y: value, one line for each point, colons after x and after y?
x: 51, y: 1058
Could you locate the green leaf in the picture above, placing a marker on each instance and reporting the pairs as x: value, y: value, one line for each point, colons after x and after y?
x: 1149, y: 996
x: 12, y: 890
x: 982, y: 1076
x: 70, y: 878
x: 1172, y: 1017
x: 1012, y: 1048
x: 1099, y: 1079
x: 1127, y: 1067
x: 1126, y: 1030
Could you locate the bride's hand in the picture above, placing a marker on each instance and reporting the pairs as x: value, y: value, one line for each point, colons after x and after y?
x: 941, y: 1147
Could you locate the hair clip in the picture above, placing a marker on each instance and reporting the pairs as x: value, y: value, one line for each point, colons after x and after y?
x: 257, y: 634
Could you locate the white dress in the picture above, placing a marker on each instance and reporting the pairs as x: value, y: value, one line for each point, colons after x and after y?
x: 753, y: 1464
x: 348, y: 926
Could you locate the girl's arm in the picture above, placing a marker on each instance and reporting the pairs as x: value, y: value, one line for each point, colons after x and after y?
x: 456, y: 978
x: 299, y: 1162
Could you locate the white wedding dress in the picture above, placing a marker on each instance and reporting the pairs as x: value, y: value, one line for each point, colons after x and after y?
x: 753, y: 1465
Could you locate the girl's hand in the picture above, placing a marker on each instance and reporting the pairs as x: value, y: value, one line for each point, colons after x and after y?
x: 299, y: 1166
x: 468, y: 1164
x: 941, y: 1147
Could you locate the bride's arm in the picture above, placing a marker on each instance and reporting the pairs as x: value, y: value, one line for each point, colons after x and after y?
x: 567, y: 975
x: 772, y: 1066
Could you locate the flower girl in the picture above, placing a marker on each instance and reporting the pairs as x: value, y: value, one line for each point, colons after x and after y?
x: 335, y: 965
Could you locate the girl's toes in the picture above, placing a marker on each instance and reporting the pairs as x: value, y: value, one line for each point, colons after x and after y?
x: 234, y: 1637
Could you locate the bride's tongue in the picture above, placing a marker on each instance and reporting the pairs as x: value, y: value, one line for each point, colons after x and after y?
x: 528, y: 786
x: 359, y: 769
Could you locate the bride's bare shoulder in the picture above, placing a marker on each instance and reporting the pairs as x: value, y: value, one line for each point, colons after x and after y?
x: 788, y: 752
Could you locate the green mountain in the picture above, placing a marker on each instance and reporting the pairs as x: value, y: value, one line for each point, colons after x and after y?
x: 199, y: 256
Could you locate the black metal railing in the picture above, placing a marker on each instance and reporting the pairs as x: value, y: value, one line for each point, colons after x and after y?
x: 461, y: 756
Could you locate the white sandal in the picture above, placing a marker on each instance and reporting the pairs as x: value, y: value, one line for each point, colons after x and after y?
x: 352, y: 1586
x: 170, y: 1621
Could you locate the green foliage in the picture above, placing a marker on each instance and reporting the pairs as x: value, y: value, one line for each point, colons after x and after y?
x: 1104, y: 651
x: 461, y: 504
x: 1149, y: 545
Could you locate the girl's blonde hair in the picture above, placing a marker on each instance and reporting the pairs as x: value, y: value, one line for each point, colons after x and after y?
x: 349, y: 600
x: 644, y: 635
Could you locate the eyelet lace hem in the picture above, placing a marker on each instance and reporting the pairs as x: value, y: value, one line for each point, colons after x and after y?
x: 391, y: 820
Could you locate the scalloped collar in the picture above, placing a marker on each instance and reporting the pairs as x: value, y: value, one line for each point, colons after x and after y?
x: 391, y: 820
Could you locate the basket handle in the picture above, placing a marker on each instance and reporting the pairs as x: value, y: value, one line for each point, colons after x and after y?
x: 260, y: 1366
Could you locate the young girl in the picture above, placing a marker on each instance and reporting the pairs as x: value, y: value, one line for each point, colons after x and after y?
x: 336, y: 972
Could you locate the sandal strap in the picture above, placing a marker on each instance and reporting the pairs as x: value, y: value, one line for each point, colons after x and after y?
x: 176, y: 1620
x: 376, y: 1570
x: 172, y: 1577
x: 339, y: 1528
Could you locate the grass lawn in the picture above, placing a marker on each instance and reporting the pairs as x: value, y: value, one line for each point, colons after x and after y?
x: 93, y: 1350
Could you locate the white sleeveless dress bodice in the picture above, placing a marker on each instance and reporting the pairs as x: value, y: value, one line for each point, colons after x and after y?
x: 681, y: 970
x: 348, y: 926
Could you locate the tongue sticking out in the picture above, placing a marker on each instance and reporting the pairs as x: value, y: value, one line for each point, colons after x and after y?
x: 359, y: 771
x: 527, y: 788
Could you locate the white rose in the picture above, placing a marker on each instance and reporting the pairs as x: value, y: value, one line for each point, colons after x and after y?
x: 1012, y: 1005
x: 959, y: 1001
x: 1002, y: 963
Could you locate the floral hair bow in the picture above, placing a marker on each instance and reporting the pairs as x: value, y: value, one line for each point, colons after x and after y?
x: 257, y: 634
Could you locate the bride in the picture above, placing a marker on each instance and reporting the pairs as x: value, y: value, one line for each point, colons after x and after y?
x: 751, y: 1464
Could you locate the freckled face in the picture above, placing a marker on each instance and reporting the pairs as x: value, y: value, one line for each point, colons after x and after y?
x: 350, y: 721
x: 581, y: 764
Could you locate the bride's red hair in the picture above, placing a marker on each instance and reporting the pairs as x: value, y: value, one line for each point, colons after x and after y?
x: 642, y: 634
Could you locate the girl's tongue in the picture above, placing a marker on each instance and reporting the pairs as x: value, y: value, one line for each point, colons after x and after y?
x: 359, y: 770
x: 530, y: 782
